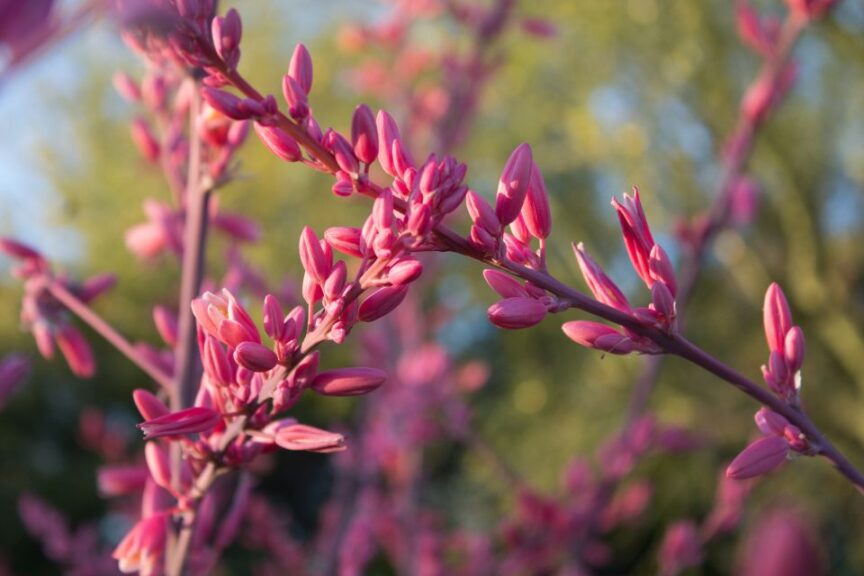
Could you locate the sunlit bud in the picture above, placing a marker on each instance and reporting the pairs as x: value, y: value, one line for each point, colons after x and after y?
x: 279, y: 142
x: 660, y: 269
x: 404, y: 272
x: 599, y: 336
x: 44, y: 336
x: 388, y: 133
x: 481, y: 212
x: 311, y: 290
x: 335, y: 281
x: 300, y: 68
x: 535, y: 211
x: 513, y: 184
x: 381, y: 302
x: 120, y: 480
x: 216, y: 363
x: 603, y: 288
x: 793, y: 349
x: 126, y: 87
x: 517, y: 312
x: 255, y: 357
x: 295, y: 97
x: 770, y: 423
x: 504, y: 284
x: 760, y: 457
x: 312, y: 256
x: 364, y: 134
x: 419, y: 222
x: 345, y: 239
x: 166, y: 325
x: 148, y: 405
x: 777, y: 317
x: 76, y: 351
x: 187, y: 421
x: 348, y: 381
x: 309, y: 439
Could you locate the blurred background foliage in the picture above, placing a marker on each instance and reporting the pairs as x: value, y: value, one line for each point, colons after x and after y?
x: 632, y: 92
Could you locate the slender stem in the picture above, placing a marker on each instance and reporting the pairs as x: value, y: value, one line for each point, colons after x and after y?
x: 99, y: 325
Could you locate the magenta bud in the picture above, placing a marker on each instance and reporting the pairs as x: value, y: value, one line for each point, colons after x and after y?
x: 76, y: 351
x: 637, y: 234
x: 227, y: 104
x: 255, y: 357
x: 274, y: 318
x: 513, y: 184
x: 660, y: 268
x: 344, y: 153
x: 760, y: 457
x: 159, y: 464
x: 119, y: 480
x: 793, y: 349
x: 94, y: 287
x: 388, y: 133
x: 188, y: 421
x: 770, y: 423
x: 335, y: 281
x: 662, y: 300
x: 535, y: 211
x: 312, y: 256
x: 216, y: 363
x: 348, y: 381
x: 17, y: 250
x: 295, y: 97
x: 404, y: 272
x: 226, y: 34
x: 777, y: 367
x: 482, y: 214
x: 279, y: 142
x: 149, y: 406
x: 504, y: 284
x: 382, y: 210
x: 776, y: 317
x: 144, y: 140
x: 381, y: 302
x: 300, y: 68
x: 402, y: 161
x: 603, y: 288
x: 309, y: 439
x: 599, y: 336
x: 166, y: 325
x: 517, y: 312
x: 364, y: 134
x: 345, y: 239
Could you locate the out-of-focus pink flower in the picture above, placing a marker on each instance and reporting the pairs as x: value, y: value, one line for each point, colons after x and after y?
x: 309, y: 439
x: 121, y: 479
x: 760, y: 457
x: 681, y: 548
x: 76, y: 350
x: 782, y: 543
x: 141, y: 550
x: 348, y: 381
x: 14, y: 369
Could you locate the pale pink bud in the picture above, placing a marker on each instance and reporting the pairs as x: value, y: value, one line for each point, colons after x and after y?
x: 760, y: 457
x: 126, y: 87
x: 166, y: 325
x: 120, y: 480
x: 141, y: 550
x: 234, y: 333
x: 335, y: 281
x: 345, y: 239
x: 382, y: 210
x: 660, y: 269
x: 404, y: 272
x: 364, y: 134
x: 504, y: 284
x: 309, y: 439
x: 381, y: 302
x: 76, y: 351
x: 300, y: 67
x: 535, y: 212
x: 770, y: 423
x: 159, y: 464
x: 681, y: 548
x: 144, y: 140
x: 481, y: 212
x: 518, y: 312
x: 793, y: 349
x: 776, y: 317
x: 279, y: 142
x: 44, y: 336
x: 295, y: 97
x: 348, y: 381
x: 388, y: 133
x: 226, y: 33
x: 513, y: 184
x: 603, y: 288
x: 187, y: 421
x: 637, y: 235
x: 312, y: 256
x: 599, y: 336
x: 274, y: 318
x: 255, y: 357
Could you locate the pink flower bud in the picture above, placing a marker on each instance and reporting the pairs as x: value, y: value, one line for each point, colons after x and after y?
x: 121, y: 480
x: 344, y: 153
x: 227, y: 104
x: 482, y: 214
x: 274, y: 318
x: 661, y: 270
x: 226, y: 34
x: 18, y: 250
x: 770, y: 423
x: 603, y: 288
x: 94, y: 287
x: 381, y: 302
x: 166, y: 325
x: 279, y: 142
x: 187, y: 421
x: 144, y: 140
x: 783, y: 541
x: 599, y: 336
x: 295, y: 97
x: 382, y: 210
x: 776, y: 317
x: 513, y: 184
x: 255, y: 357
x: 239, y: 227
x: 388, y: 133
x: 313, y: 257
x: 681, y: 548
x: 345, y: 239
x: 637, y: 235
x: 364, y: 134
x: 159, y: 464
x: 300, y: 68
x: 535, y: 212
x: 335, y: 281
x: 662, y: 301
x: 793, y: 349
x: 504, y: 284
x: 141, y: 550
x: 404, y: 272
x: 348, y: 381
x: 148, y: 405
x: 760, y: 457
x: 309, y: 439
x: 518, y: 312
x: 76, y: 351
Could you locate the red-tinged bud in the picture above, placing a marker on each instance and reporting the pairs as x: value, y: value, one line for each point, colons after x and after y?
x: 388, y: 133
x: 18, y: 250
x: 404, y: 272
x: 149, y: 406
x: 637, y: 235
x: 239, y: 227
x: 295, y: 97
x: 228, y: 104
x: 189, y: 421
x: 513, y: 184
x: 662, y: 301
x: 126, y: 87
x: 159, y: 464
x: 518, y: 312
x: 770, y: 423
x: 481, y: 212
x: 603, y: 288
x: 348, y: 381
x: 121, y: 480
x: 76, y: 351
x: 661, y: 270
x: 504, y: 284
x: 760, y: 457
x: 255, y: 357
x: 274, y: 318
x: 535, y: 212
x: 144, y: 140
x: 793, y: 349
x: 166, y: 325
x: 279, y: 142
x: 382, y: 210
x: 344, y: 153
x: 381, y: 302
x: 482, y: 240
x: 312, y: 256
x: 309, y: 439
x: 599, y: 336
x: 300, y: 68
x: 776, y: 317
x: 226, y: 34
x: 364, y: 134
x: 142, y: 549
x: 345, y: 239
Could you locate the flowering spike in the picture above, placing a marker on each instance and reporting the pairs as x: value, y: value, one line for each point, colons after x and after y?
x: 517, y: 312
x: 364, y: 134
x: 300, y: 67
x: 760, y: 457
x: 187, y: 421
x: 348, y: 381
x: 513, y: 184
